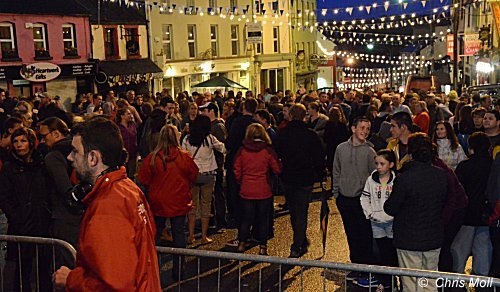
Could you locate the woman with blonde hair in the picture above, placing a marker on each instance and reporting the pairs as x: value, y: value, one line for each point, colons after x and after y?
x: 167, y: 173
x: 422, y: 118
x: 251, y: 168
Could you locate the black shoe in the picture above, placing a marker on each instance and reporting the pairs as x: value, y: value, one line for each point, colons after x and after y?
x: 305, y: 247
x: 283, y: 206
x: 295, y: 254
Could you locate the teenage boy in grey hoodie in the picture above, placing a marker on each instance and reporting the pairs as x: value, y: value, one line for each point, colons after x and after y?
x: 353, y: 163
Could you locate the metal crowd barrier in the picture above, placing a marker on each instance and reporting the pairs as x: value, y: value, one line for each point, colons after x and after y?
x: 39, y: 252
x: 211, y: 278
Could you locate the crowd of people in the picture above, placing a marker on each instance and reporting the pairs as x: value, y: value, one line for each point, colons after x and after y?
x: 416, y: 174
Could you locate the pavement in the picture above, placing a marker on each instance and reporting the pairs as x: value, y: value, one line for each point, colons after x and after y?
x: 205, y: 275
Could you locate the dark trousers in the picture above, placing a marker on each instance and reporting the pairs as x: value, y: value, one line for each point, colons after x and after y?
x: 358, y: 230
x: 298, y: 199
x: 177, y: 225
x: 495, y: 240
x: 68, y: 230
x: 233, y: 196
x: 450, y: 231
x: 388, y: 256
x: 220, y: 200
x: 255, y: 215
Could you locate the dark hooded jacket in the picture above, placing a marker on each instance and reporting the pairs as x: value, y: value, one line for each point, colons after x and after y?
x: 25, y: 195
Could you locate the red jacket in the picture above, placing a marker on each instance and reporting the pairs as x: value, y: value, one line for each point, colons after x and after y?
x: 117, y: 239
x: 169, y: 186
x: 251, y: 168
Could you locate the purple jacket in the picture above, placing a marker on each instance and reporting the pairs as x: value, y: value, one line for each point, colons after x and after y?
x: 129, y: 135
x: 457, y: 198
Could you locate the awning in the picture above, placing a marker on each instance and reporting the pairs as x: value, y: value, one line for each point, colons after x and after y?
x: 129, y: 67
x: 220, y: 81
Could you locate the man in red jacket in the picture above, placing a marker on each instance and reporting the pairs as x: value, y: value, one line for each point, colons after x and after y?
x: 116, y: 244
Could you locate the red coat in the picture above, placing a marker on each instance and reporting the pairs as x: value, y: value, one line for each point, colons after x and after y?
x: 251, y: 168
x: 170, y: 186
x: 117, y: 239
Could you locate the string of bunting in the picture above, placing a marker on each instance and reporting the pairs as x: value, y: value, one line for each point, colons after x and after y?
x: 274, y: 7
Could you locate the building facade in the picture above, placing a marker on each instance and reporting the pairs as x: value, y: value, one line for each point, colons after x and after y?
x: 479, y: 43
x: 304, y: 36
x: 44, y: 50
x: 194, y: 43
x: 120, y: 47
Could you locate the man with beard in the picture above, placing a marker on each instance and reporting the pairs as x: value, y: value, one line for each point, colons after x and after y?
x: 117, y: 238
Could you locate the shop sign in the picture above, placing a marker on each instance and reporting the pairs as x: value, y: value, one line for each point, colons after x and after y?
x: 449, y: 45
x: 254, y: 33
x: 472, y: 44
x: 40, y: 72
x: 75, y: 70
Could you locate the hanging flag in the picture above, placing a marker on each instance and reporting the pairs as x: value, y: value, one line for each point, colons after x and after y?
x: 368, y: 9
x: 423, y: 3
x: 349, y: 10
x: 281, y: 12
x: 406, y: 5
x: 323, y: 12
x: 386, y: 5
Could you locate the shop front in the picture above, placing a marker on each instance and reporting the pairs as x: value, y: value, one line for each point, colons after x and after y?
x: 121, y: 76
x: 64, y: 80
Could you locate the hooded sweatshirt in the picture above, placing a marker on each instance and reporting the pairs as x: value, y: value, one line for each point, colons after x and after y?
x: 374, y: 196
x: 169, y: 183
x: 251, y: 168
x: 351, y: 166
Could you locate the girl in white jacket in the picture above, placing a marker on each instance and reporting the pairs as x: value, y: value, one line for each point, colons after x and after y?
x: 378, y: 188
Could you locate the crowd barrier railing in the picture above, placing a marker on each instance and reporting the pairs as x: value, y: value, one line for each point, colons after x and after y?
x: 211, y: 277
x: 30, y: 262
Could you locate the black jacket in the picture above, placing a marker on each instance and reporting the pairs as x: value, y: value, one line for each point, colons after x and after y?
x: 301, y: 154
x: 417, y: 202
x: 59, y: 170
x: 335, y: 133
x: 25, y: 195
x: 473, y: 174
x: 236, y: 136
x: 51, y: 110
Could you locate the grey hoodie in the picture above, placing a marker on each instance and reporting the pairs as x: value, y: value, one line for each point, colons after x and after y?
x: 351, y: 166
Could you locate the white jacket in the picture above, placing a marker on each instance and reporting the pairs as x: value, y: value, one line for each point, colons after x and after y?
x: 450, y: 157
x: 372, y: 205
x: 205, y: 158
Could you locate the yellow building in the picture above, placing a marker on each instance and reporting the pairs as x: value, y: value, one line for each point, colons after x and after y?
x: 195, y: 40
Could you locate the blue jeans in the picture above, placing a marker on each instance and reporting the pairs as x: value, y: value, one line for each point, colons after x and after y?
x: 473, y: 240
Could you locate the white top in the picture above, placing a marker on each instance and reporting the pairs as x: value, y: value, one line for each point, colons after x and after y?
x: 205, y: 158
x: 373, y: 198
x: 450, y: 157
x: 401, y: 108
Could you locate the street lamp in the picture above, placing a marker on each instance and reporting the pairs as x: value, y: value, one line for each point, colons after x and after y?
x: 370, y: 46
x: 350, y: 61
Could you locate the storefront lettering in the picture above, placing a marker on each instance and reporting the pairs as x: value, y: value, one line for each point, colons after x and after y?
x: 40, y: 72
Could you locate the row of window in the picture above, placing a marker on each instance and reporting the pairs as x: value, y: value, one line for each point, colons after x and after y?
x: 40, y: 41
x: 214, y: 41
x: 111, y: 48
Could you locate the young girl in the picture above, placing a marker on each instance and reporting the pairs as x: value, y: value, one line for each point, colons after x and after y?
x: 251, y: 168
x: 377, y: 190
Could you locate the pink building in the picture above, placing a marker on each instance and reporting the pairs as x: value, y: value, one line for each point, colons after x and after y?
x: 53, y: 51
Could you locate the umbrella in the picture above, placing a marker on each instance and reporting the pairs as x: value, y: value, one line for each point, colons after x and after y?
x: 220, y: 81
x: 323, y: 218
